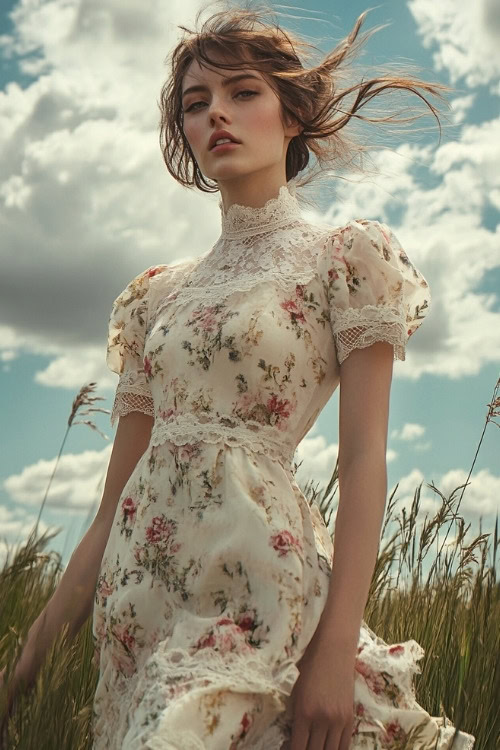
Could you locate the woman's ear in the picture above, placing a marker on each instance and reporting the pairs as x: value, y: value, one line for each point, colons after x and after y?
x: 291, y: 125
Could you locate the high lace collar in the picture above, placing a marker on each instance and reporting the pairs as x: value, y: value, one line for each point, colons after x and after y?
x: 246, y: 221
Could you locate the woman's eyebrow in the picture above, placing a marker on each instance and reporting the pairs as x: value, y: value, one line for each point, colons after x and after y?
x: 225, y: 82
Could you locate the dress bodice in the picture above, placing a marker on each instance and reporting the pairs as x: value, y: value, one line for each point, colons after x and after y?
x: 243, y: 345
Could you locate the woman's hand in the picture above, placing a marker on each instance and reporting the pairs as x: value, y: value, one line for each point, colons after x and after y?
x: 323, y: 697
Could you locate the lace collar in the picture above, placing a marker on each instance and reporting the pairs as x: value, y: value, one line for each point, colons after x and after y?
x: 246, y: 221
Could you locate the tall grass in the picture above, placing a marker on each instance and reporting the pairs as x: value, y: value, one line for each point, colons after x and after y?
x: 452, y: 610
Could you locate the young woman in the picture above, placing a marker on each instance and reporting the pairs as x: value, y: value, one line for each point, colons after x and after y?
x: 223, y: 618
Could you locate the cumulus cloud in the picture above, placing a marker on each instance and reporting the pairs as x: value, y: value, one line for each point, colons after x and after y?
x: 77, y: 483
x: 409, y: 431
x: 460, y: 106
x: 467, y: 36
x: 86, y: 202
x: 481, y: 498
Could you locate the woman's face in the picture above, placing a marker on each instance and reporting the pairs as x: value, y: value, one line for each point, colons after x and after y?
x: 248, y: 109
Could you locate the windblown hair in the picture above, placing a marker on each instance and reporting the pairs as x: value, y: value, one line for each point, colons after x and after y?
x: 310, y: 96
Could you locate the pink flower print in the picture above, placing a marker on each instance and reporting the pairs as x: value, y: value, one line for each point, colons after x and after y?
x: 205, y: 641
x: 139, y: 554
x: 159, y: 531
x: 245, y: 724
x: 153, y: 271
x: 291, y: 307
x: 167, y: 413
x: 374, y: 680
x: 226, y: 643
x: 246, y: 620
x: 284, y: 541
x: 186, y: 452
x: 129, y: 508
x: 280, y: 407
x: 206, y: 319
x: 122, y: 633
x: 225, y: 621
x: 397, y: 650
x: 359, y: 709
x: 332, y: 275
x: 394, y: 732
x: 147, y: 367
x: 104, y: 588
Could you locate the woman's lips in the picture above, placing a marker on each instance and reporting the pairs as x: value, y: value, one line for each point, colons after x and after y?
x: 223, y: 146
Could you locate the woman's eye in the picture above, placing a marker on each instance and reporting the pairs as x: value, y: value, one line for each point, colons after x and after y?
x: 193, y: 105
x: 246, y: 92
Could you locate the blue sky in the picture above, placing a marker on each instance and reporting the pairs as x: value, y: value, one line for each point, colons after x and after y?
x: 86, y: 204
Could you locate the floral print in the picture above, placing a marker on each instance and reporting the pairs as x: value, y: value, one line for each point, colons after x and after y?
x: 217, y: 569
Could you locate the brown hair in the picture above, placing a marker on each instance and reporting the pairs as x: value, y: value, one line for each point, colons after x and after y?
x: 310, y: 96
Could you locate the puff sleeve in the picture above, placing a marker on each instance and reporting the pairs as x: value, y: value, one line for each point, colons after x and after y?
x: 125, y: 349
x: 374, y: 292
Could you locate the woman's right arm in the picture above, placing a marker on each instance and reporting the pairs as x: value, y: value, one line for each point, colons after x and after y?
x: 72, y: 601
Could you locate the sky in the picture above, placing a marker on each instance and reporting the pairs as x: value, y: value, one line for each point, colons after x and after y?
x: 86, y: 203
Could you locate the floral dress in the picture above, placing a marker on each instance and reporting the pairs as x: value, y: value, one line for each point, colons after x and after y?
x: 217, y: 569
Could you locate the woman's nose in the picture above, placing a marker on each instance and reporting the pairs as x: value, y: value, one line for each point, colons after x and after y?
x: 217, y: 109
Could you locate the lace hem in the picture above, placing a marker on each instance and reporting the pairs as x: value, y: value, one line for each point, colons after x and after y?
x: 127, y: 401
x: 357, y: 328
x: 251, y: 435
x: 207, y: 672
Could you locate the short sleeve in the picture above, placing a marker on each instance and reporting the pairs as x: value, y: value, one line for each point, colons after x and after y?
x: 374, y: 291
x: 125, y: 350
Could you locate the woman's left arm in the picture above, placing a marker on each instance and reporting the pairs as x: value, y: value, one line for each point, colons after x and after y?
x: 324, y: 692
x: 365, y: 384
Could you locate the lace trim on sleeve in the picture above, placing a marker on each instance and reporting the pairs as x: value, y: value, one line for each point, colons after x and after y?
x: 131, y: 395
x: 357, y: 328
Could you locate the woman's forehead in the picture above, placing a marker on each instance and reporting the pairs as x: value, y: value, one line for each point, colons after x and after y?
x: 196, y: 73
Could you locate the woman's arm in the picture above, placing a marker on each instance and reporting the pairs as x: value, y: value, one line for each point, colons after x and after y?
x: 73, y: 598
x: 365, y: 384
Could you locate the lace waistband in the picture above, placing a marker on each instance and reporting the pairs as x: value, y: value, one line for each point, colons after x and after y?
x: 186, y: 428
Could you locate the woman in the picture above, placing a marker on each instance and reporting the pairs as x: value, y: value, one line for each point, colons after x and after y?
x: 222, y: 617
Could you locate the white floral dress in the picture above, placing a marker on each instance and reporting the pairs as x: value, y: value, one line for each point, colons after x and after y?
x: 216, y: 570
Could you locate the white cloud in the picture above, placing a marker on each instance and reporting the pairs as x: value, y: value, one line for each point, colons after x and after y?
x: 77, y: 483
x: 409, y: 431
x: 467, y: 35
x: 480, y: 498
x: 86, y: 202
x: 461, y: 106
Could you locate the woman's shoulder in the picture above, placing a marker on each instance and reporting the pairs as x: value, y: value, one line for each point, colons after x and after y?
x: 360, y: 236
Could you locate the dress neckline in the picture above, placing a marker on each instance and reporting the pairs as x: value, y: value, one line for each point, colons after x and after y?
x: 247, y: 221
